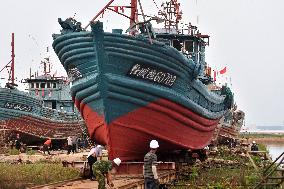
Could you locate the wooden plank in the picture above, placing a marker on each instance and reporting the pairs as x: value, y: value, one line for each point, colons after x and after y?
x: 251, y: 160
x: 257, y: 152
x: 275, y: 178
x: 271, y: 184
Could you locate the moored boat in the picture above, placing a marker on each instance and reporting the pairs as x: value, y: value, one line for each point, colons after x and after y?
x: 45, y: 111
x: 146, y: 85
x: 233, y: 121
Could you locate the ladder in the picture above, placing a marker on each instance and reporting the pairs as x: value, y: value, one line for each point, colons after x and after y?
x: 273, y: 175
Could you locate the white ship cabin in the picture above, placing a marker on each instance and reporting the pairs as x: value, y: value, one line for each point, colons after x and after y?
x: 54, y: 91
x: 192, y: 46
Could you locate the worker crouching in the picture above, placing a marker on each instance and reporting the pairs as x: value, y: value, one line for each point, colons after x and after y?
x: 102, y: 170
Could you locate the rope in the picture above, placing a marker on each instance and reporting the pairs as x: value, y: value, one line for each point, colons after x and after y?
x: 156, y: 5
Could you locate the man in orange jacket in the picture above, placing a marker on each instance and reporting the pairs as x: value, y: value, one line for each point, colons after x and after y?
x: 47, y: 146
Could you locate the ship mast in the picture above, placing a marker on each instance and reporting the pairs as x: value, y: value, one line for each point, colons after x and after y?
x: 133, y: 15
x: 174, y: 15
x: 107, y: 5
x: 10, y: 66
x: 12, y: 78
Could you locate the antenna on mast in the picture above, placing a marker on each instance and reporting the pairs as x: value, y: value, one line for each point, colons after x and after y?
x: 173, y: 13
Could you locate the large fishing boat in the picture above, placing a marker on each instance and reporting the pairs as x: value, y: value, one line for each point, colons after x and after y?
x: 147, y: 84
x: 233, y: 121
x: 45, y: 111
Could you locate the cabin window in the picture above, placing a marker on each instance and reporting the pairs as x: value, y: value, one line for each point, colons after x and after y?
x: 37, y: 85
x: 42, y: 85
x: 32, y: 85
x: 54, y: 85
x: 53, y: 105
x: 189, y: 46
x: 177, y: 44
x: 48, y: 85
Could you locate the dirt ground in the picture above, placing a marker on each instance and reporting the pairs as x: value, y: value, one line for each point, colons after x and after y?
x: 59, y: 156
x: 55, y: 156
x: 88, y: 184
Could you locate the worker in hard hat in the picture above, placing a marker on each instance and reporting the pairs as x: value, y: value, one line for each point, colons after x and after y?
x: 150, y: 167
x: 102, y: 169
x: 254, y: 146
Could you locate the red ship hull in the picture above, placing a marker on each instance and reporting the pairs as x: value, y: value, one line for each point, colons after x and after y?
x: 127, y: 137
x: 42, y: 127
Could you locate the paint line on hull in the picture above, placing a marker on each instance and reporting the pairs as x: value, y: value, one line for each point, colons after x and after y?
x: 128, y: 136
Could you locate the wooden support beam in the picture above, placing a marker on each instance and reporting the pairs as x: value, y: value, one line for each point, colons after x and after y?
x: 275, y: 177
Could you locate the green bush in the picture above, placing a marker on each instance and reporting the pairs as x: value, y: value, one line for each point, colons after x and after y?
x: 257, y: 160
x: 262, y: 147
x: 251, y: 179
x: 218, y: 186
x: 30, y: 152
x: 14, y: 152
x: 19, y: 175
x: 194, y: 174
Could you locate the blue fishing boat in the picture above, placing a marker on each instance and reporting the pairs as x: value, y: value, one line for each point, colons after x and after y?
x: 143, y: 85
x: 45, y: 111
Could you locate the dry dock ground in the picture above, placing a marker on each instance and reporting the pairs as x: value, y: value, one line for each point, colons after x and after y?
x: 120, y: 181
x: 55, y: 156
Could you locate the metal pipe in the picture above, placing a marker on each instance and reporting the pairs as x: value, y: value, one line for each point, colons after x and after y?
x: 99, y: 14
x: 133, y: 14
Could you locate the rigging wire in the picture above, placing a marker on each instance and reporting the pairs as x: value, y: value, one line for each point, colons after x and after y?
x: 162, y: 12
x: 156, y: 5
x: 150, y: 39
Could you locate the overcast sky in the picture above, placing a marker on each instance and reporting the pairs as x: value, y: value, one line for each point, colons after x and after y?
x: 246, y: 36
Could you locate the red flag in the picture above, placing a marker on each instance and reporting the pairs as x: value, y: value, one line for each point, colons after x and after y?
x: 215, y: 74
x: 42, y: 93
x: 115, y: 8
x: 223, y: 70
x: 122, y: 8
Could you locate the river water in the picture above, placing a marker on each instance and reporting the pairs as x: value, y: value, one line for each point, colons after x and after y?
x: 275, y: 149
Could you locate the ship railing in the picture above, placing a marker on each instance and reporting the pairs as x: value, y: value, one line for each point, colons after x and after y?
x: 59, y: 115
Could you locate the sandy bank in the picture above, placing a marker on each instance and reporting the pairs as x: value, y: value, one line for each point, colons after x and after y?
x: 266, y: 140
x: 55, y: 157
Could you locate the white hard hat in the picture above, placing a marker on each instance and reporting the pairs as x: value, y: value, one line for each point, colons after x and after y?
x: 117, y: 161
x: 100, y: 146
x: 253, y: 142
x: 154, y: 144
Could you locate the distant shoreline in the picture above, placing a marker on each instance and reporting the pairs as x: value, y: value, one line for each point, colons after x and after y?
x: 269, y: 140
x: 263, y: 138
